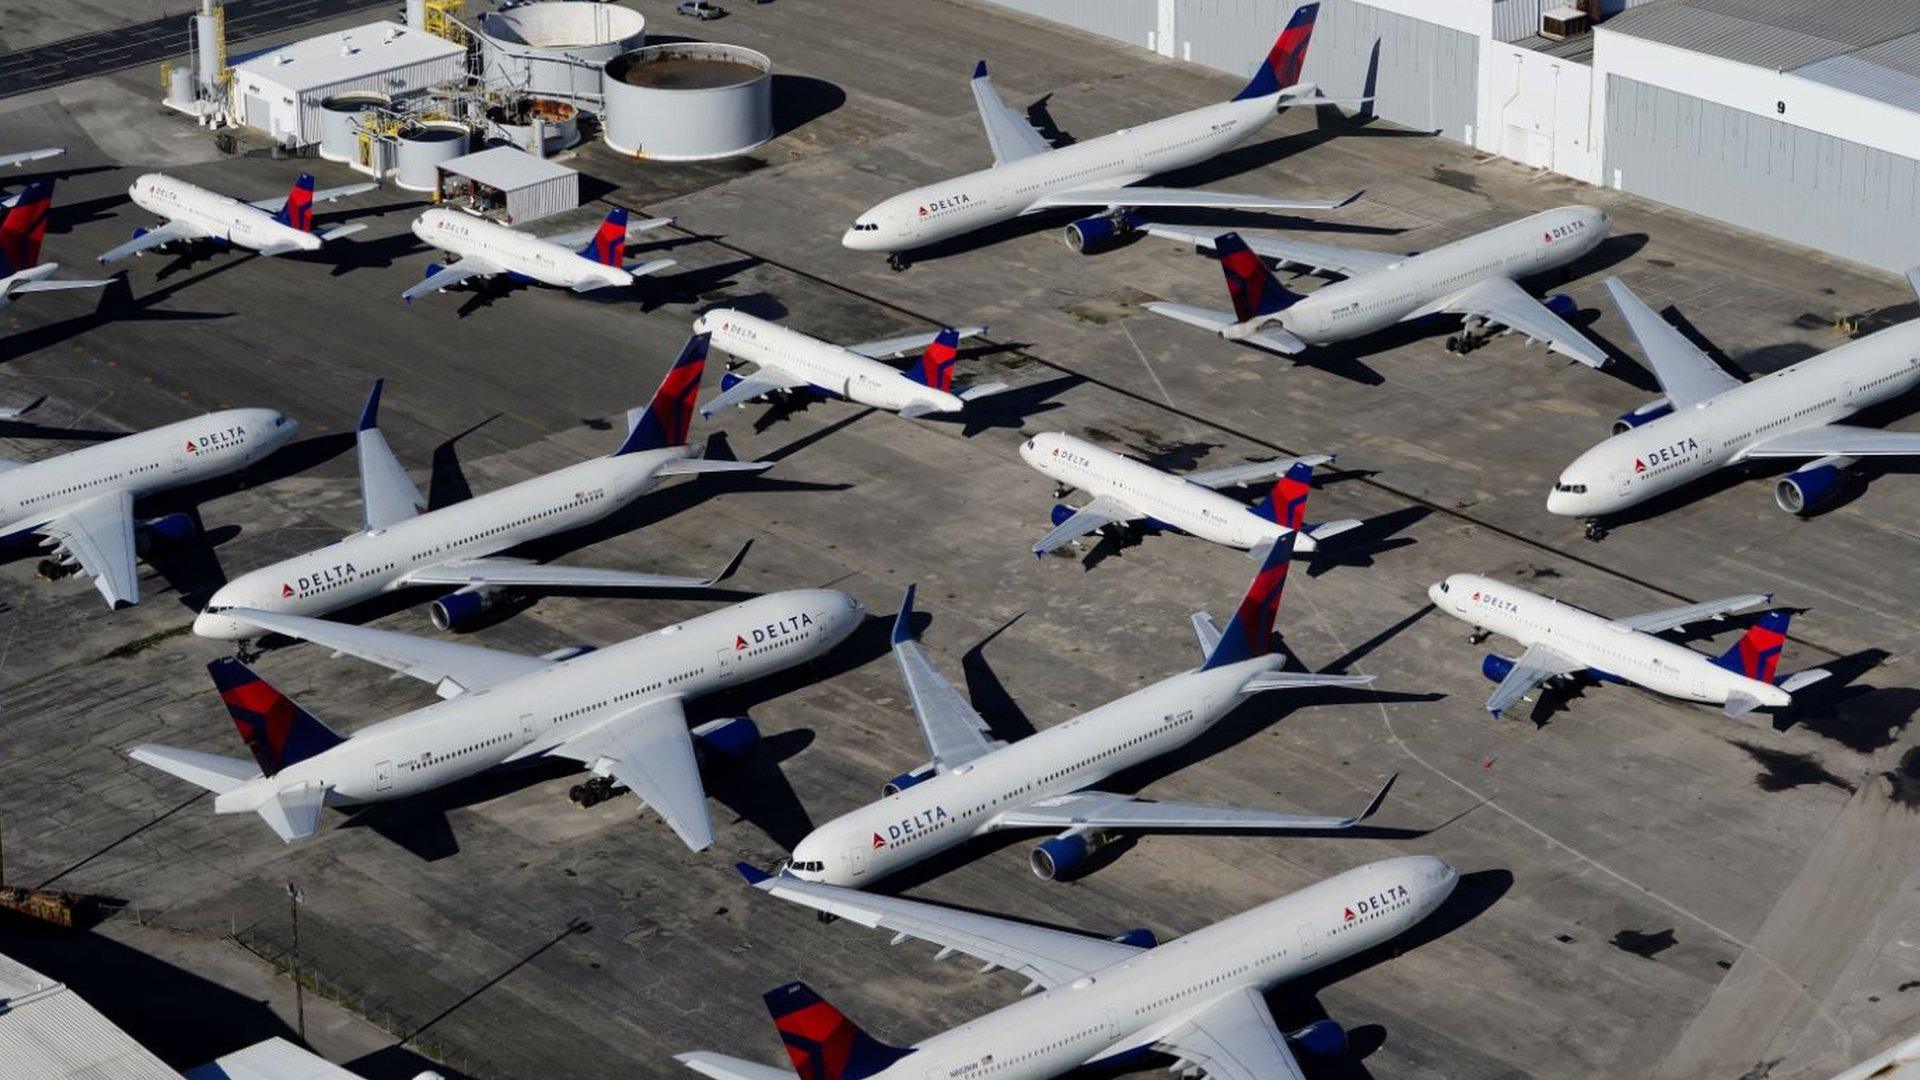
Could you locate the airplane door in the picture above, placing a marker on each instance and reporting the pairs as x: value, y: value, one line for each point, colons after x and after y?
x: 857, y: 861
x: 382, y: 775
x: 723, y: 665
x: 526, y: 724
x: 1309, y: 941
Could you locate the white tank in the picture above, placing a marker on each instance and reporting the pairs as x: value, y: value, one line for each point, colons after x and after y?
x: 339, y: 132
x: 424, y: 148
x: 556, y: 49
x: 180, y: 88
x: 689, y: 101
x: 515, y: 123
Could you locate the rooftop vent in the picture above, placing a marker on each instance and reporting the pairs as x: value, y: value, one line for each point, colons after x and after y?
x: 1564, y: 22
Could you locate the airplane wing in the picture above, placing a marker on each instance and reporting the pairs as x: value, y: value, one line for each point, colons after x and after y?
x: 1499, y: 300
x: 955, y: 733
x: 1103, y: 810
x: 1653, y: 622
x: 648, y: 750
x: 1008, y: 132
x: 1098, y: 514
x: 98, y: 534
x: 1345, y: 261
x: 1847, y: 439
x: 448, y: 276
x: 1688, y: 375
x: 722, y: 1067
x: 887, y: 348
x: 581, y: 236
x: 1234, y: 1038
x: 386, y: 495
x: 1048, y: 957
x: 453, y: 668
x: 522, y: 574
x: 1272, y: 338
x: 1535, y: 666
x: 24, y: 156
x: 170, y: 233
x: 1178, y: 198
x: 765, y: 379
x: 324, y: 195
x: 57, y: 284
x: 1252, y: 472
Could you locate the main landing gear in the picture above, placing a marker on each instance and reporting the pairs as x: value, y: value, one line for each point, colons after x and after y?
x: 55, y: 570
x: 592, y: 793
x: 1596, y: 532
x: 1478, y: 636
x: 245, y: 655
x: 1467, y: 340
x: 897, y: 262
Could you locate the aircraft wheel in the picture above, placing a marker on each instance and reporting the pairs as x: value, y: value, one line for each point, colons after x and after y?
x: 578, y: 794
x: 1477, y: 636
x: 1596, y: 532
x: 1453, y: 346
x: 897, y: 262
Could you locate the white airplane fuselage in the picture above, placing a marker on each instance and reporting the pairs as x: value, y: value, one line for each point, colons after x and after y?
x: 367, y: 564
x: 478, y: 730
x: 953, y: 207
x: 1131, y: 1004
x: 1691, y: 443
x: 1163, y: 497
x: 1646, y: 660
x: 216, y: 214
x: 529, y: 257
x: 943, y: 811
x: 833, y: 368
x: 1370, y: 302
x: 177, y: 454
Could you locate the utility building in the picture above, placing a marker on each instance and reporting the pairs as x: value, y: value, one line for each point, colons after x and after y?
x: 279, y: 91
x: 508, y: 185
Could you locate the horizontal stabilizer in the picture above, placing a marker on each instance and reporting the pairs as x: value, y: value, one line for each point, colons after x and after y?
x: 980, y: 390
x: 1274, y: 339
x: 651, y: 266
x: 1206, y: 632
x: 1800, y: 680
x: 690, y: 466
x: 722, y: 1067
x: 1739, y: 704
x: 58, y: 284
x: 919, y: 409
x: 335, y: 232
x: 1300, y: 680
x: 217, y: 773
x: 1332, y: 528
x: 293, y: 813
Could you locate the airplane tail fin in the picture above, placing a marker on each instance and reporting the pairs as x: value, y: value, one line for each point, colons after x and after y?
x: 1254, y: 289
x: 1281, y: 68
x: 609, y: 246
x: 1250, y: 632
x: 23, y: 226
x: 1757, y: 654
x: 935, y: 369
x: 278, y: 731
x: 298, y: 210
x: 822, y: 1043
x: 1286, y: 504
x: 668, y: 418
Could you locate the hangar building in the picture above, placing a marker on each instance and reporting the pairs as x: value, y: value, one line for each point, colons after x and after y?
x: 280, y: 90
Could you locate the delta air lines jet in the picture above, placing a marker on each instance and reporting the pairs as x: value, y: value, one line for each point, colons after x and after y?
x: 975, y: 784
x: 1129, y: 494
x: 788, y: 362
x: 23, y: 225
x: 1028, y: 176
x: 1103, y: 1002
x: 461, y: 548
x: 268, y: 226
x: 619, y: 711
x: 486, y: 249
x: 1473, y: 278
x: 1563, y: 642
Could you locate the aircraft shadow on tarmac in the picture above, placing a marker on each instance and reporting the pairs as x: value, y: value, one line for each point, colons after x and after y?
x: 117, y: 304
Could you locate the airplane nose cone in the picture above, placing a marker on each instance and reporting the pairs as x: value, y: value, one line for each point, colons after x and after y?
x: 210, y: 624
x: 850, y: 240
x: 1435, y: 594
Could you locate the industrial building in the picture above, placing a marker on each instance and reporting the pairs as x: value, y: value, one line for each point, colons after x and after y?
x: 508, y: 184
x: 1797, y: 120
x: 280, y: 91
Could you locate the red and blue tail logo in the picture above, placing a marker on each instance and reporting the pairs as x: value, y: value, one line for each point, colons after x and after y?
x: 1250, y: 632
x: 24, y: 226
x: 298, y: 211
x: 669, y: 416
x: 1254, y: 289
x: 821, y: 1042
x: 1281, y: 68
x: 1757, y: 654
x: 935, y: 369
x: 278, y: 731
x: 609, y: 245
x: 1286, y: 504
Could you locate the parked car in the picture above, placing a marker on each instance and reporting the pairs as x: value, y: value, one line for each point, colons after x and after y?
x: 699, y: 9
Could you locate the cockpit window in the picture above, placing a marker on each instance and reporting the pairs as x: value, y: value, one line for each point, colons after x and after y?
x: 1444, y: 587
x: 279, y: 421
x: 1571, y: 489
x: 866, y: 226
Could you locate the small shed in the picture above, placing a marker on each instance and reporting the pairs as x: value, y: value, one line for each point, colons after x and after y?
x: 280, y: 90
x: 509, y: 185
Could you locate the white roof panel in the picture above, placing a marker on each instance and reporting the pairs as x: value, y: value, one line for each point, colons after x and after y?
x: 47, y: 1032
x: 506, y: 168
x: 274, y: 1059
x: 345, y: 55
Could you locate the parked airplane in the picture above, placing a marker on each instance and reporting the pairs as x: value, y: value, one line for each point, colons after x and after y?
x: 269, y: 226
x: 619, y: 711
x: 1028, y: 176
x: 1133, y: 495
x: 1473, y: 278
x: 1565, y: 642
x: 1106, y: 1002
x: 21, y: 157
x: 487, y: 249
x: 975, y: 784
x: 23, y: 225
x: 1708, y: 419
x: 459, y: 547
x: 788, y: 362
x: 80, y: 505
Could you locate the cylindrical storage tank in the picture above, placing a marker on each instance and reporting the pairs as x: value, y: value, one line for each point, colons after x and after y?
x: 514, y: 124
x: 206, y: 51
x: 556, y: 49
x: 417, y: 14
x: 180, y: 88
x: 339, y: 134
x: 689, y: 101
x: 423, y: 148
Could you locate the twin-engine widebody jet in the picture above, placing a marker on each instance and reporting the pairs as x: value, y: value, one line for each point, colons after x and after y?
x: 268, y: 226
x: 1708, y: 419
x: 23, y: 225
x: 1028, y: 176
x: 488, y: 249
x: 80, y: 505
x: 975, y: 784
x: 1565, y: 642
x: 1474, y: 278
x: 789, y: 364
x: 1103, y: 1002
x: 619, y: 711
x: 461, y: 548
x: 1132, y: 495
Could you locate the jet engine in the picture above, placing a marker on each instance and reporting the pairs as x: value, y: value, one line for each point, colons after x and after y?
x: 1061, y: 512
x: 1092, y: 235
x: 1562, y: 305
x: 167, y: 529
x: 462, y: 608
x: 1496, y: 667
x: 569, y: 653
x: 1812, y: 486
x: 907, y: 779
x: 1322, y: 1038
x: 1139, y: 938
x: 1058, y: 857
x: 1645, y: 414
x: 725, y: 743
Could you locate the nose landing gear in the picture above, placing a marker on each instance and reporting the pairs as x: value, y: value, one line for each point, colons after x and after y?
x: 1478, y: 635
x: 1596, y: 532
x: 897, y: 262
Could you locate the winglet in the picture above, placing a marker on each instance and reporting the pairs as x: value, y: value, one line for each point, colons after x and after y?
x: 903, y: 622
x: 1378, y: 798
x: 733, y: 564
x: 980, y: 70
x: 752, y: 873
x: 370, y: 412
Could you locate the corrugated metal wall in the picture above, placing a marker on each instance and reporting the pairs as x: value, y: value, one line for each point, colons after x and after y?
x: 1762, y: 174
x: 1126, y: 20
x: 394, y: 82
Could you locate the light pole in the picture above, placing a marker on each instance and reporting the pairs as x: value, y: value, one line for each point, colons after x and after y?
x: 299, y: 993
